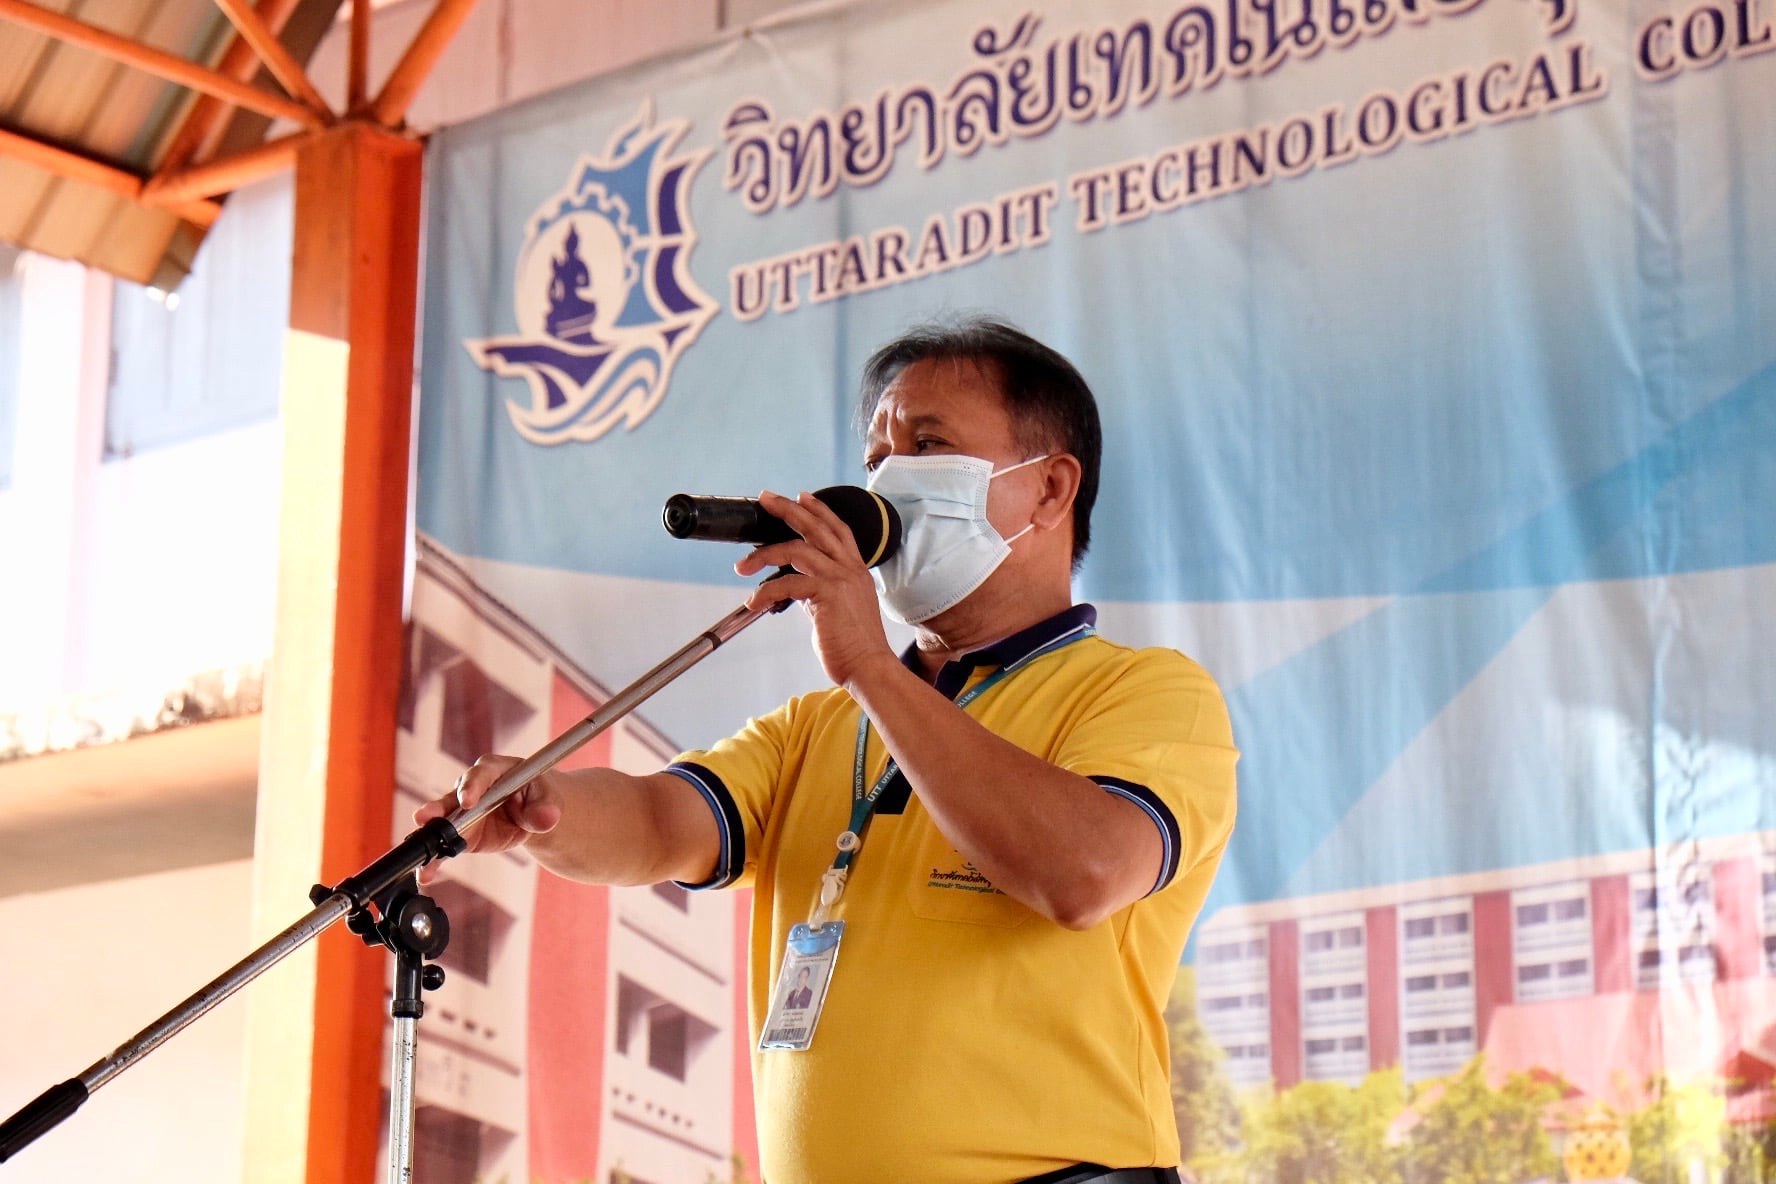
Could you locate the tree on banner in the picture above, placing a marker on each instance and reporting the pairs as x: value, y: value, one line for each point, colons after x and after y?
x: 1202, y: 1097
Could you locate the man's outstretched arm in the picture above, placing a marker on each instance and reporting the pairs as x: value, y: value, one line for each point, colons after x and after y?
x: 596, y: 825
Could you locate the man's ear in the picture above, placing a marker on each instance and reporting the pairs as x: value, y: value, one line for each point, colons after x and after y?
x: 1060, y: 485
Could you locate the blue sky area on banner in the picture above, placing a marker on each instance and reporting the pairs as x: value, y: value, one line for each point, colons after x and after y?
x: 1460, y: 375
x: 1261, y: 357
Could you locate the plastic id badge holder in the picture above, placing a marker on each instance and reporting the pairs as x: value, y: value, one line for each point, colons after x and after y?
x: 800, y: 993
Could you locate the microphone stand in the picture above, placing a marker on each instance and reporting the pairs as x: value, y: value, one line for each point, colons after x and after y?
x: 382, y: 904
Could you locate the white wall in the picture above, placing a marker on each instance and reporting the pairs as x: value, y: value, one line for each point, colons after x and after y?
x: 183, y: 560
x: 129, y: 574
x: 84, y: 969
x: 64, y: 324
x: 134, y: 573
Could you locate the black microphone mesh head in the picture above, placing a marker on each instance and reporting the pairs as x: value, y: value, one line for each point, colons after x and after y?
x: 872, y: 518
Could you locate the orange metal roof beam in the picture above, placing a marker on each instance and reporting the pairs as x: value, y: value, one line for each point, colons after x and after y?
x: 239, y: 61
x: 158, y: 62
x: 225, y: 175
x: 358, y: 72
x: 284, y: 67
x: 84, y: 169
x: 415, y: 66
x: 72, y: 165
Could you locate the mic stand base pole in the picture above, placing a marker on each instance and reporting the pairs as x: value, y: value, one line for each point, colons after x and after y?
x: 414, y: 929
x: 405, y: 1050
x: 438, y: 839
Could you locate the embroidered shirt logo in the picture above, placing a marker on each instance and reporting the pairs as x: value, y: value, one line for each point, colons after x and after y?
x: 965, y: 879
x: 603, y: 294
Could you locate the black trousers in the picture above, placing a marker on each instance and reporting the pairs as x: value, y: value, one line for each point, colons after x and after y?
x: 1094, y: 1173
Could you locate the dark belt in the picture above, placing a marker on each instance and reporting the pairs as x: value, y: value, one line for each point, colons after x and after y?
x: 1093, y: 1173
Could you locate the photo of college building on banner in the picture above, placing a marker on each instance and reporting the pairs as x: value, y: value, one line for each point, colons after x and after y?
x: 581, y: 1031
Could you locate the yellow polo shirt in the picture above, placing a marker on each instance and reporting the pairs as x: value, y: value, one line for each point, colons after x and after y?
x: 966, y: 1039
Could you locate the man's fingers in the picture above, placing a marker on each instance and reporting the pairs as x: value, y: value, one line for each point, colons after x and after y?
x: 479, y: 777
x: 536, y: 817
x: 524, y: 813
x: 470, y: 787
x: 811, y: 518
x: 759, y: 558
x: 773, y: 592
x: 825, y: 546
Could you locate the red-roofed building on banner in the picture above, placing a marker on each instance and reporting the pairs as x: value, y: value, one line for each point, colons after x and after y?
x: 1611, y: 1046
x: 582, y: 1032
x: 1603, y: 972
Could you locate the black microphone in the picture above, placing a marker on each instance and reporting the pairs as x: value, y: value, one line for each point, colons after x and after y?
x: 872, y: 519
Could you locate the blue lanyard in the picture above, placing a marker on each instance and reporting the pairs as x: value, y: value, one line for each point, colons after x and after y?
x: 863, y: 802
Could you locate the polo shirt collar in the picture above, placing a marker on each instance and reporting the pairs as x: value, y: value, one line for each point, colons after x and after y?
x: 1007, y: 650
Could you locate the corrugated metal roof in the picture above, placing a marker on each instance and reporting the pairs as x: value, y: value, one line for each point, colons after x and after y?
x: 76, y: 99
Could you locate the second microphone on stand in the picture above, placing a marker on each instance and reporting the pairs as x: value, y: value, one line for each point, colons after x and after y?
x: 872, y: 520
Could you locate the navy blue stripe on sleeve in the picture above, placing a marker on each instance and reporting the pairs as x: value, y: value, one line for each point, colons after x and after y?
x: 1161, y: 814
x: 732, y: 860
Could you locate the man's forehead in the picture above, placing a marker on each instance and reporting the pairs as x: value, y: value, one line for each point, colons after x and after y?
x: 955, y: 424
x: 939, y: 393
x: 902, y: 416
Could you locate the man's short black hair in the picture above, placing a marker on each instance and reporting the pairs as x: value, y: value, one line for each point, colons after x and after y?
x: 1052, y: 408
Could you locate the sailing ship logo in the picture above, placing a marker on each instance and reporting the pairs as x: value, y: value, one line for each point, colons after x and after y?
x: 603, y: 296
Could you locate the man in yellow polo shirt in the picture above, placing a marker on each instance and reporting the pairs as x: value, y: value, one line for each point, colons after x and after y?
x: 978, y: 861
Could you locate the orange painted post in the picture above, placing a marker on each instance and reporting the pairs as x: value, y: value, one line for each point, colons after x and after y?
x: 355, y: 277
x: 328, y: 758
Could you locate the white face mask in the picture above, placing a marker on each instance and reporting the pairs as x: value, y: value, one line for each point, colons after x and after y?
x: 947, y: 546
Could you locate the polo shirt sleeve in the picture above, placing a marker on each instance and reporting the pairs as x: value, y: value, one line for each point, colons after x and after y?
x: 738, y: 777
x: 1158, y: 735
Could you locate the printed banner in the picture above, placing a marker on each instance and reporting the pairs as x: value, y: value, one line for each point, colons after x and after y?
x: 1435, y: 342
